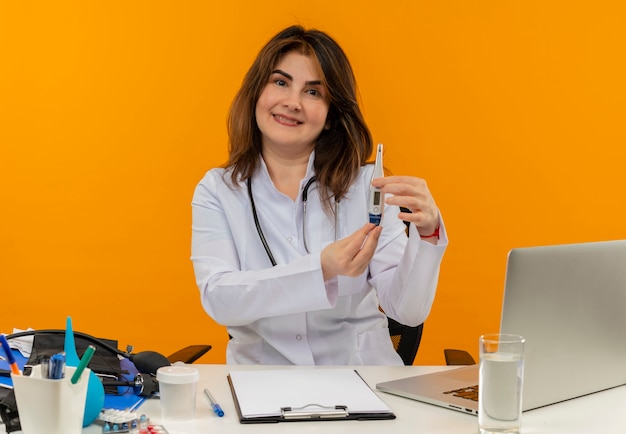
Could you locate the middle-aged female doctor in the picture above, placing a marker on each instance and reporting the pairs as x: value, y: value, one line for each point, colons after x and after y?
x: 282, y: 250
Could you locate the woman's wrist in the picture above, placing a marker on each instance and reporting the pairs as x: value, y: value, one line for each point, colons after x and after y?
x: 434, y: 234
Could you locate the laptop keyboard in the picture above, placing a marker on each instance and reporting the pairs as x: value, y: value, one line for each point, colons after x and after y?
x: 470, y: 393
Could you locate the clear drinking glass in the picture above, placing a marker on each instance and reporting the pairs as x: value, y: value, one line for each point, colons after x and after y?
x: 500, y: 383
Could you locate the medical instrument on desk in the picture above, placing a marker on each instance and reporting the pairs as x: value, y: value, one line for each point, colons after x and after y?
x: 214, y: 405
x: 142, y: 384
x: 375, y: 205
x: 305, y: 195
x: 15, y: 370
x: 146, y: 362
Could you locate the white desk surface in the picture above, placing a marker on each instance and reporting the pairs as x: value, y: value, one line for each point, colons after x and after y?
x: 596, y: 413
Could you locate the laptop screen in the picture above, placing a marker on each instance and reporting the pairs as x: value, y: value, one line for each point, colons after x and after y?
x: 569, y: 302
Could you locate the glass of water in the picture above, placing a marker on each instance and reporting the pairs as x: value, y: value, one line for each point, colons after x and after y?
x: 500, y: 383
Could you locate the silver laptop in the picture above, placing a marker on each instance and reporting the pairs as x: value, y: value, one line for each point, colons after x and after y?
x: 569, y: 302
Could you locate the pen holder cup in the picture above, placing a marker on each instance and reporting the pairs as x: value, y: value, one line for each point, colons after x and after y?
x: 177, y: 389
x: 47, y: 406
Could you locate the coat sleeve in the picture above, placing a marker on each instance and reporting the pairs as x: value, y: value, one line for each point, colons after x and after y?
x: 405, y: 274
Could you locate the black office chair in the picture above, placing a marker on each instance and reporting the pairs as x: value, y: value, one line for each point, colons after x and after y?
x: 406, y: 340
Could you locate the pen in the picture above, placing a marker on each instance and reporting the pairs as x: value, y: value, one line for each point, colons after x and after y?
x: 83, y: 363
x: 5, y: 345
x: 216, y: 407
x: 56, y: 366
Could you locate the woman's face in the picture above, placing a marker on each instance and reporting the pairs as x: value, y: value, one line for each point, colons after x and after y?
x: 292, y: 108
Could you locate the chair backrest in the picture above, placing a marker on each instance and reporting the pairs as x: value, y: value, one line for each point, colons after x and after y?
x: 458, y: 357
x: 405, y: 339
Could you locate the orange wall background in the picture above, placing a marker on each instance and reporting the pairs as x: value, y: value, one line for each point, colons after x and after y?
x: 111, y: 112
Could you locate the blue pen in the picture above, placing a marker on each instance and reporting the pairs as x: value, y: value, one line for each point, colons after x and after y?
x: 214, y: 405
x: 15, y: 370
x: 56, y: 366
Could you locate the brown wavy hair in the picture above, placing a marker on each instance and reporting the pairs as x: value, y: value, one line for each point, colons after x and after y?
x: 340, y: 149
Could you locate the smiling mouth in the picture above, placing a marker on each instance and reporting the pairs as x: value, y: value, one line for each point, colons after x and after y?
x: 287, y: 120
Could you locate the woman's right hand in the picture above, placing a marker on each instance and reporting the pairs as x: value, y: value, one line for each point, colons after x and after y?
x: 350, y: 256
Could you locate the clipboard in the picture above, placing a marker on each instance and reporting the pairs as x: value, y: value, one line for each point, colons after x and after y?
x: 304, y: 394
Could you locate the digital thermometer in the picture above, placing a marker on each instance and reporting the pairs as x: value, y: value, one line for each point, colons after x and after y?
x: 375, y: 206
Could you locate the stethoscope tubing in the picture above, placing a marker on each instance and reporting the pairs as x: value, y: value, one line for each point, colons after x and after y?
x: 305, y: 194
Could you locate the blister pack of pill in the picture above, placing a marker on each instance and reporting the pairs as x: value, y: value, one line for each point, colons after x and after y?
x: 127, y: 422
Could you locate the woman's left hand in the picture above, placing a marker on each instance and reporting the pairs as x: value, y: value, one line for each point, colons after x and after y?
x: 412, y: 193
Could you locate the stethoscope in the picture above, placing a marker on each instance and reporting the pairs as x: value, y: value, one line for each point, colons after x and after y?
x: 305, y: 194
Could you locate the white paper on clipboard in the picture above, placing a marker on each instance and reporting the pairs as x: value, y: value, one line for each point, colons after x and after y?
x: 266, y: 393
